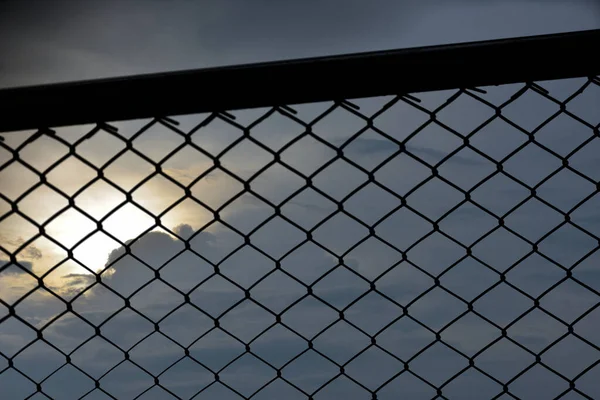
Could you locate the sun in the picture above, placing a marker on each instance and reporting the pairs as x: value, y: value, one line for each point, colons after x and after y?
x: 101, y: 222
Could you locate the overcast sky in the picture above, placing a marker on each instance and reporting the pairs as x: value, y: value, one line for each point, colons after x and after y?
x: 68, y: 40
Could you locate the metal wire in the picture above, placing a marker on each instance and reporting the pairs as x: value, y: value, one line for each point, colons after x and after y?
x: 373, y: 284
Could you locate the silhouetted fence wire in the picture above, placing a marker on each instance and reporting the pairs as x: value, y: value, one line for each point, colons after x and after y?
x: 518, y: 67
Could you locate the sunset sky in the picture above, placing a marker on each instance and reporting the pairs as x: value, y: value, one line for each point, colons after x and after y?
x: 73, y: 41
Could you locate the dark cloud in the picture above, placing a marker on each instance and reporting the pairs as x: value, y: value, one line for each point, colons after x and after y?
x: 277, y: 345
x: 184, y: 231
x: 9, y: 268
x: 367, y: 147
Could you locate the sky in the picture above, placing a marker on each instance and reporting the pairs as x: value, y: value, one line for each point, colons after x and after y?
x: 66, y: 40
x: 84, y: 40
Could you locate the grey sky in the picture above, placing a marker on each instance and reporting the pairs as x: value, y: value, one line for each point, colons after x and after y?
x: 77, y: 40
x: 71, y: 40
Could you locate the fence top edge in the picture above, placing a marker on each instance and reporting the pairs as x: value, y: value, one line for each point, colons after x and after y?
x: 415, y: 69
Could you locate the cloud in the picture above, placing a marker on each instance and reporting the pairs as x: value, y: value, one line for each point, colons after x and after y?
x: 184, y: 231
x: 30, y: 252
x: 22, y: 267
x: 341, y: 342
x: 367, y: 147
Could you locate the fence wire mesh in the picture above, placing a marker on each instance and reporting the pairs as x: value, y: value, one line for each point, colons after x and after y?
x: 435, y: 245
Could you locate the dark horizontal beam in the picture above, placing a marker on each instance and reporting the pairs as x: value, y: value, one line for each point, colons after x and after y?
x: 536, y: 58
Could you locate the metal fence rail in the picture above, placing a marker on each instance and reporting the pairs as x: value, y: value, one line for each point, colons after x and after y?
x: 380, y: 164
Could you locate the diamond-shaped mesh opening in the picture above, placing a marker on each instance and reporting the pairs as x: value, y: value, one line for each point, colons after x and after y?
x: 247, y: 375
x: 96, y: 357
x: 17, y: 280
x: 43, y: 152
x: 120, y: 388
x: 310, y: 371
x: 277, y: 291
x: 449, y: 363
x: 309, y: 317
x: 537, y: 373
x: 186, y: 378
x: 216, y: 349
x: 475, y: 382
x: 136, y: 327
x: 498, y: 139
x: 465, y: 114
x: 569, y: 301
x: 469, y: 279
x: 16, y: 336
x: 372, y: 322
x: 128, y: 170
x: 581, y: 105
x: 564, y: 134
x: 156, y: 353
x: 433, y: 145
x: 435, y: 245
x: 516, y: 113
x: 338, y: 125
x: 423, y: 311
x: 467, y: 169
x: 340, y: 234
x: 373, y: 368
x: 371, y: 203
x: 471, y: 334
x: 404, y: 283
x: 156, y: 300
x: 40, y: 308
x: 146, y: 196
x: 307, y: 155
x: 14, y: 188
x: 341, y: 287
x: 405, y: 338
x: 278, y: 345
x: 341, y: 342
x: 277, y: 130
x: 42, y: 203
x: 216, y: 295
x: 407, y: 385
x: 403, y: 229
x: 255, y: 159
x: 520, y: 166
x: 339, y: 179
x: 308, y: 262
x: 287, y: 181
x: 570, y: 356
x: 247, y: 321
x: 157, y: 141
x: 216, y: 135
x: 423, y: 199
x: 370, y: 149
x: 308, y: 208
x: 401, y: 119
x: 503, y: 313
x: 99, y: 147
x: 79, y: 384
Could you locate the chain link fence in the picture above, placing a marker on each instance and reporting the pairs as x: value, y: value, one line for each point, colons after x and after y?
x: 426, y: 245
